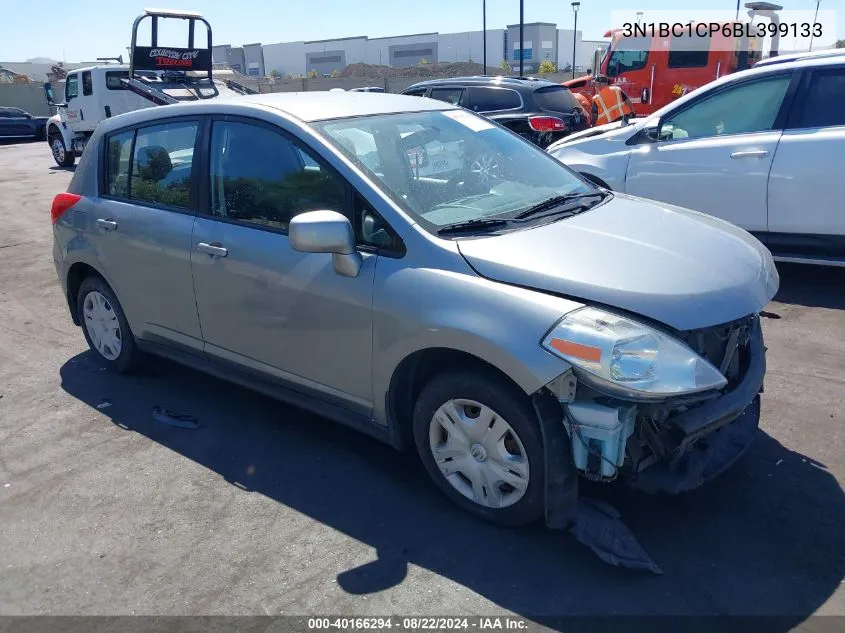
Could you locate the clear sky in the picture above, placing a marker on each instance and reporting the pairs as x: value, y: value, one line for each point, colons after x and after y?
x: 82, y: 30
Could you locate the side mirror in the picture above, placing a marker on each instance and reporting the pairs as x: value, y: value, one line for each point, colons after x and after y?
x: 657, y: 132
x: 597, y: 55
x: 326, y: 232
x: 48, y: 93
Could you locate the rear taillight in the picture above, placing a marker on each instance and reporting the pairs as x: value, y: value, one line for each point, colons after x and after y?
x: 546, y: 124
x: 62, y: 203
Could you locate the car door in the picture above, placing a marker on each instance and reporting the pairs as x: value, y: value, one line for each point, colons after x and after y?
x: 142, y: 223
x: 715, y: 152
x: 20, y: 123
x: 263, y: 306
x: 806, y: 184
x: 7, y: 126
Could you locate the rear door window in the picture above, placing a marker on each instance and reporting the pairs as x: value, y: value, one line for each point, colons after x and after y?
x: 484, y: 99
x: 824, y: 103
x: 555, y: 99
x: 449, y: 95
x: 162, y: 162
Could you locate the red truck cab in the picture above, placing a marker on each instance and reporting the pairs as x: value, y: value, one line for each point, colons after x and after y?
x: 654, y: 70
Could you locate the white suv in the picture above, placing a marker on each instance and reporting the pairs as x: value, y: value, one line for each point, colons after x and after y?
x: 763, y: 148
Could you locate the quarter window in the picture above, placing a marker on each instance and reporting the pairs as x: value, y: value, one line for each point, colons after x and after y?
x: 260, y: 177
x: 162, y: 162
x: 492, y: 99
x: 823, y: 105
x: 119, y: 164
x: 87, y: 83
x: 728, y: 111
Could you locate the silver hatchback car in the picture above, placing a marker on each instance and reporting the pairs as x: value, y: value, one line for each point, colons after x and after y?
x: 518, y: 325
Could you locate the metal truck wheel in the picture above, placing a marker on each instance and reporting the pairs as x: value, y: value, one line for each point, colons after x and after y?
x: 61, y: 155
x: 479, y: 440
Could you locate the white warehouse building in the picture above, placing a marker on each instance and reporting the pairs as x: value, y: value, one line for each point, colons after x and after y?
x: 543, y: 41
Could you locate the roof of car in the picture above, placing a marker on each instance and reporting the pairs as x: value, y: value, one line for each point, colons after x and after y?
x: 305, y: 106
x: 484, y: 80
x: 802, y: 56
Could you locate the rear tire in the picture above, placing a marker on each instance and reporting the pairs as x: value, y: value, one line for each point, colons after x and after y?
x: 61, y: 155
x: 105, y: 326
x: 490, y: 461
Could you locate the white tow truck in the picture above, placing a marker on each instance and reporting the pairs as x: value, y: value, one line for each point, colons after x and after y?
x: 156, y: 75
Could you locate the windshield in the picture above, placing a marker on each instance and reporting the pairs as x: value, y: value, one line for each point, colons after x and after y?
x: 451, y: 166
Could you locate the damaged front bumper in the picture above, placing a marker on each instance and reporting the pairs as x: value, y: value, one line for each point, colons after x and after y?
x: 669, y: 447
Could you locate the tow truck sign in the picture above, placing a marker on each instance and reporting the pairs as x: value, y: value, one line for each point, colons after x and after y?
x: 160, y: 58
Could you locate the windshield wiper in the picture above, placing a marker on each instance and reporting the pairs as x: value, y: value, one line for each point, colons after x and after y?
x: 558, y: 201
x: 471, y: 225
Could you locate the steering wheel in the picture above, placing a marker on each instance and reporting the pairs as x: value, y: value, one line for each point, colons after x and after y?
x: 481, y: 169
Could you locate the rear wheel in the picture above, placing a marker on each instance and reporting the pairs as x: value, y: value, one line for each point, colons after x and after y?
x: 61, y: 154
x: 478, y: 437
x: 105, y: 326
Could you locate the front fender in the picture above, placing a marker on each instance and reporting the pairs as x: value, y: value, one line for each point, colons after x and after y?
x: 415, y: 309
x: 55, y: 123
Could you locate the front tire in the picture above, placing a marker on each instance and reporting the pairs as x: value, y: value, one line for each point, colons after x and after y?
x: 62, y: 156
x: 105, y: 326
x: 478, y: 437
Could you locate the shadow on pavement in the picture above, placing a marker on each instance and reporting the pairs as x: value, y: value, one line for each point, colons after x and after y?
x: 764, y: 539
x: 811, y: 286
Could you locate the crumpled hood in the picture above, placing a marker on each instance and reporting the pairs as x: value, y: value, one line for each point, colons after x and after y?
x: 679, y: 267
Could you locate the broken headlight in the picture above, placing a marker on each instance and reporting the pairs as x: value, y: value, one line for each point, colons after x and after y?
x: 630, y: 358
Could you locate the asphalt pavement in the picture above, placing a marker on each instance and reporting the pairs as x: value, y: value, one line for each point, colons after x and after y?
x: 266, y: 509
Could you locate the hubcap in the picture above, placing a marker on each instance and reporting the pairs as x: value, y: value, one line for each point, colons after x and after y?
x: 102, y: 325
x: 58, y: 150
x: 479, y: 453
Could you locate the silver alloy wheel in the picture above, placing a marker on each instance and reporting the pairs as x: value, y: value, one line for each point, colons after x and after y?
x: 479, y: 453
x: 102, y: 325
x: 485, y: 168
x: 58, y: 148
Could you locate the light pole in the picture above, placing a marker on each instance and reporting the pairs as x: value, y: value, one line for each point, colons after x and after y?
x: 521, y: 38
x: 575, y: 7
x: 815, y: 20
x: 484, y: 33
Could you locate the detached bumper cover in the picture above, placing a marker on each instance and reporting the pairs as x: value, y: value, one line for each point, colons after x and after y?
x: 728, y: 423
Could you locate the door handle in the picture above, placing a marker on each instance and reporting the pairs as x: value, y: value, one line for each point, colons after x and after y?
x: 215, y: 249
x: 107, y: 225
x: 753, y: 153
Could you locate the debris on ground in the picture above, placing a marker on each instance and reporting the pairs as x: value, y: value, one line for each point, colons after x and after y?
x: 181, y: 420
x: 598, y: 525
